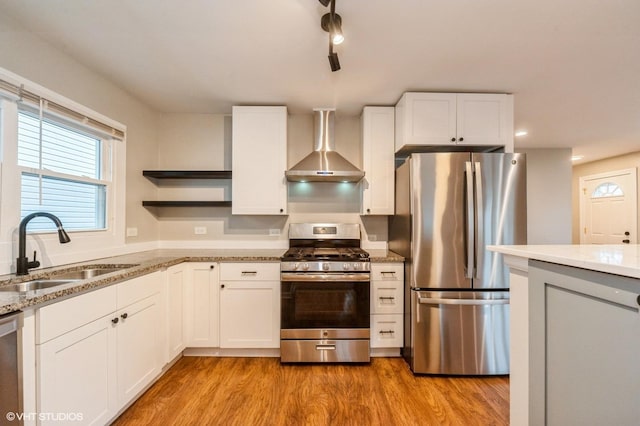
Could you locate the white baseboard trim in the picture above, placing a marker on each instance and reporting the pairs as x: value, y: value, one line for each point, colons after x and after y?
x: 233, y: 353
x: 385, y: 352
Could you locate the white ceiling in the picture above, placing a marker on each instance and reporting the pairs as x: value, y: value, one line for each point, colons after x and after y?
x: 573, y: 65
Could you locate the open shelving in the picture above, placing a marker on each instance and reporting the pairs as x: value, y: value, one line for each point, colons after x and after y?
x: 160, y: 176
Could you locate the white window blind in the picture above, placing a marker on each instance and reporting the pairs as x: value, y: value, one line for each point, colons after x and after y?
x: 62, y: 173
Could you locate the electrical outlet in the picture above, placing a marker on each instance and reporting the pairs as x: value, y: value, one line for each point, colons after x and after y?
x: 132, y: 232
x: 274, y: 231
x: 200, y: 230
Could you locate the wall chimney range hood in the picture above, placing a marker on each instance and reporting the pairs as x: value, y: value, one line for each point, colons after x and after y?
x: 324, y: 164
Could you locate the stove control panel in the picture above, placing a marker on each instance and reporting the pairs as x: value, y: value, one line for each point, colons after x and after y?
x: 324, y: 266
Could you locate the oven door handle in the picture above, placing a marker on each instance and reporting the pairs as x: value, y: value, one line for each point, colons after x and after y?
x: 320, y: 277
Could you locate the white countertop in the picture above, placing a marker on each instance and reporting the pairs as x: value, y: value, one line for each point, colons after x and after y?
x: 620, y: 259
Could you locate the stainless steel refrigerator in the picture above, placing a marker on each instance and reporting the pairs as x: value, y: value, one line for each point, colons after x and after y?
x: 449, y: 207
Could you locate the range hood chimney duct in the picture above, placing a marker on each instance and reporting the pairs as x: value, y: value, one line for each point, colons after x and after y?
x: 324, y: 164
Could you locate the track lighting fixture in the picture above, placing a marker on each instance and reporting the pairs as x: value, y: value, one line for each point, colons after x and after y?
x: 332, y: 23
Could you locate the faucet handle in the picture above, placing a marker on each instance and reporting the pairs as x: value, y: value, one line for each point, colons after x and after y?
x: 34, y: 263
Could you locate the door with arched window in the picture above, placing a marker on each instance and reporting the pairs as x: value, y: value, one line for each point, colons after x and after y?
x: 608, y: 208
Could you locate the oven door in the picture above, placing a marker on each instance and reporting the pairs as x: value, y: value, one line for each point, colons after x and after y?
x: 324, y: 303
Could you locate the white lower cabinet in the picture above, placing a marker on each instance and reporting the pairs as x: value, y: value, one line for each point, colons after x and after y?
x: 175, y: 294
x: 202, y: 305
x: 387, y: 286
x: 250, y: 305
x: 96, y: 352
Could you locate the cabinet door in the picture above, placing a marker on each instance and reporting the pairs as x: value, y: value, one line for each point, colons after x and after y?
x: 378, y: 160
x: 202, y: 305
x: 259, y: 160
x: 250, y: 314
x: 138, y: 347
x: 426, y: 119
x: 77, y: 373
x: 175, y: 293
x: 482, y: 119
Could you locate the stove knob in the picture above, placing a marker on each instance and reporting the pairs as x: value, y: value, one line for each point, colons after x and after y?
x: 325, y: 266
x: 356, y: 266
x: 295, y: 266
x: 305, y: 266
x: 346, y: 266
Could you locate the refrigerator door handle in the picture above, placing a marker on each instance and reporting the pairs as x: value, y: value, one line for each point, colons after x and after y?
x: 479, y: 207
x: 470, y: 243
x: 439, y: 301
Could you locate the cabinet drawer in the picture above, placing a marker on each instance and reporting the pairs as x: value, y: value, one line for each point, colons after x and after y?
x: 386, y: 297
x: 387, y: 272
x: 386, y: 331
x: 61, y: 317
x: 250, y: 271
x: 139, y: 288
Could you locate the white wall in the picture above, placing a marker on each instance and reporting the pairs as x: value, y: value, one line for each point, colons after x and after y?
x: 203, y: 141
x: 627, y: 161
x: 32, y: 58
x: 548, y: 196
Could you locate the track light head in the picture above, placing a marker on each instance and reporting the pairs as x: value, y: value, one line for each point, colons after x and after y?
x: 334, y: 62
x: 325, y: 3
x: 333, y: 27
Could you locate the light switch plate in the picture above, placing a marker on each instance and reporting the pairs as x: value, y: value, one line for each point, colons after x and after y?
x: 200, y: 230
x: 132, y: 232
x: 274, y: 231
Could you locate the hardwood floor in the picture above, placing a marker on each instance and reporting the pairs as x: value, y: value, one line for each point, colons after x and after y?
x: 260, y: 391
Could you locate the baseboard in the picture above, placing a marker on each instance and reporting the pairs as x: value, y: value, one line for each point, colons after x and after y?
x: 233, y: 353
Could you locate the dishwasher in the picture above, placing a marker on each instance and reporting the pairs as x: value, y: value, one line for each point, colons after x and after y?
x: 10, y: 368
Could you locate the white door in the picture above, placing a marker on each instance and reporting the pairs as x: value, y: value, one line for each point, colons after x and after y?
x: 608, y: 213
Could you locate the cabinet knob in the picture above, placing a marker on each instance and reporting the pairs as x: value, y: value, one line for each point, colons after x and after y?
x: 368, y: 210
x: 461, y: 139
x: 281, y: 210
x: 221, y: 285
x: 115, y: 320
x: 626, y: 233
x: 626, y: 241
x: 453, y: 139
x: 212, y: 266
x: 124, y: 316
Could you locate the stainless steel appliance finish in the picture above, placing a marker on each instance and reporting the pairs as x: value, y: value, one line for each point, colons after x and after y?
x: 324, y: 164
x: 449, y: 206
x: 10, y: 366
x: 325, y: 293
x: 460, y: 332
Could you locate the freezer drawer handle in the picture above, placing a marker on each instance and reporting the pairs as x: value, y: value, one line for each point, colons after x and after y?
x: 387, y: 298
x: 388, y: 274
x: 436, y: 301
x: 386, y: 331
x: 249, y: 273
x: 325, y: 347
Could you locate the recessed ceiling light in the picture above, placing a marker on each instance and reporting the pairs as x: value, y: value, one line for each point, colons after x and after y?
x: 577, y: 157
x: 521, y: 133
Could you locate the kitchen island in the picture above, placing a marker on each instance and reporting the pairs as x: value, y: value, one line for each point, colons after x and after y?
x: 574, y: 332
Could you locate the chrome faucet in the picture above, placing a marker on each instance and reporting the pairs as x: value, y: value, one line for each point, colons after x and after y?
x: 22, y: 262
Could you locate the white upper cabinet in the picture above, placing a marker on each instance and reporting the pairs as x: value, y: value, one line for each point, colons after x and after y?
x: 449, y: 119
x: 378, y: 160
x: 259, y: 142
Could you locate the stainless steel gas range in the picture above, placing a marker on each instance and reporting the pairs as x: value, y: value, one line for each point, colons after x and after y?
x: 325, y: 295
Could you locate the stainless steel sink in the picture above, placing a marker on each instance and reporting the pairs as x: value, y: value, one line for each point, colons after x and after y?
x: 56, y: 279
x: 36, y: 285
x: 85, y: 274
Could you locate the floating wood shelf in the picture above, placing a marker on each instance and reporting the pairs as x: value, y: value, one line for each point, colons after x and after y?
x: 186, y: 203
x: 156, y: 175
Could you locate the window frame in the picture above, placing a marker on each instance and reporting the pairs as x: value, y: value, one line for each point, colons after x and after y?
x: 106, y: 166
x: 84, y: 245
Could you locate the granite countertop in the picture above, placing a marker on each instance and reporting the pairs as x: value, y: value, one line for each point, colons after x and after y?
x: 134, y: 265
x: 619, y: 259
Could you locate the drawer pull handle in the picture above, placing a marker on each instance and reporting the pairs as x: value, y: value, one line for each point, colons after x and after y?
x: 387, y: 298
x: 387, y: 332
x: 124, y: 316
x: 115, y: 320
x: 325, y: 347
x: 249, y: 273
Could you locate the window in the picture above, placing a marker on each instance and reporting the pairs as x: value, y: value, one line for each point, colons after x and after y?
x: 607, y: 189
x: 65, y: 171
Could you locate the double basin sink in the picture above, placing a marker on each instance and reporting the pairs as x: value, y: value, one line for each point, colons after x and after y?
x: 63, y: 277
